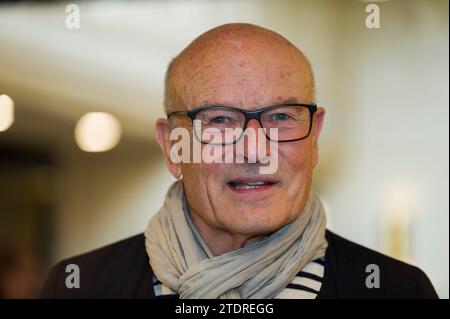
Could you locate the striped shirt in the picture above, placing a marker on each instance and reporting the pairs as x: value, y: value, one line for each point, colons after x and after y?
x: 305, y: 285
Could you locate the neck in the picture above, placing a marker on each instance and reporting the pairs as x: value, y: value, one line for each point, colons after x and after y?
x: 220, y: 241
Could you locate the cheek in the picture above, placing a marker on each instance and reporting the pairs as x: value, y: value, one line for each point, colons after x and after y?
x: 295, y: 157
x: 296, y: 168
x: 201, y: 183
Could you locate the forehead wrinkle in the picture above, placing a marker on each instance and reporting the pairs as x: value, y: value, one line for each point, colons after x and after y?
x: 289, y: 100
x: 212, y: 87
x: 251, y: 70
x: 276, y: 99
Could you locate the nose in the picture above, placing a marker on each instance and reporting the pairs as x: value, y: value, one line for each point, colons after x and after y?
x: 253, y: 146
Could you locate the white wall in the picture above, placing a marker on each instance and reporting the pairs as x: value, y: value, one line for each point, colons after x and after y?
x: 393, y: 88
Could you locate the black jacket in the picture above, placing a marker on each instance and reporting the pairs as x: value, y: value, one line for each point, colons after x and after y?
x: 122, y: 270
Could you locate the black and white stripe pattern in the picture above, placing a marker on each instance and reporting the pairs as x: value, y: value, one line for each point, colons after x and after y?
x: 305, y: 285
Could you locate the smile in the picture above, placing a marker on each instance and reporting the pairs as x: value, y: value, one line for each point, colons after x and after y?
x: 245, y: 185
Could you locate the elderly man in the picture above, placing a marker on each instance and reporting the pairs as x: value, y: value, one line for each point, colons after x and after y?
x: 226, y: 229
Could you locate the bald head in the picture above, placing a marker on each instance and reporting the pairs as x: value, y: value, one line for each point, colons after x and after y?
x: 242, y: 57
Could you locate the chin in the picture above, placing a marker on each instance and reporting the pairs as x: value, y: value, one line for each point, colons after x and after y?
x: 257, y: 225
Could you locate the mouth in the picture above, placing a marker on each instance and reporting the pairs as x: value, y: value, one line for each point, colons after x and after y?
x: 244, y: 185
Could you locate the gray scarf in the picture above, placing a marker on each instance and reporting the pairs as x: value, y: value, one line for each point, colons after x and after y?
x: 180, y: 259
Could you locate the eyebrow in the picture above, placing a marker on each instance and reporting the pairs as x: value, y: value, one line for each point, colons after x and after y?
x: 287, y: 101
x: 290, y: 100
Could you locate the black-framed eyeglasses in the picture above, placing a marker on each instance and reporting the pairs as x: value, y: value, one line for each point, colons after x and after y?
x: 293, y: 122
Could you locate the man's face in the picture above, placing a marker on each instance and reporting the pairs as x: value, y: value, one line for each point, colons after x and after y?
x: 248, y: 79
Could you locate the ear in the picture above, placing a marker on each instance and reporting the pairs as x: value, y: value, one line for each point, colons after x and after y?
x: 319, y: 117
x: 163, y: 128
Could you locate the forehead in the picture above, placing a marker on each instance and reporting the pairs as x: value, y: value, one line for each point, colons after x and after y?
x: 245, y: 83
x: 249, y: 79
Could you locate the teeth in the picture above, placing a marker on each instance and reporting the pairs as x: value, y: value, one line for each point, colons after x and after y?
x: 247, y: 185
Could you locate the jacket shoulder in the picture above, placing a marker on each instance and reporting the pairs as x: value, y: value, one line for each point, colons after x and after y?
x: 360, y: 272
x: 118, y: 270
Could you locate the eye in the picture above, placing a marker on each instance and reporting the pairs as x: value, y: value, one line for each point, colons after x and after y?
x: 280, y: 117
x: 220, y: 120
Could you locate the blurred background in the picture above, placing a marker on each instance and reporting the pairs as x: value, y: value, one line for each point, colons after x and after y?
x: 72, y: 180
